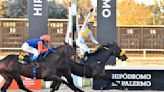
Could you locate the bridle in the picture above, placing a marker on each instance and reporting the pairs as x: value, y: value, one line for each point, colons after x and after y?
x: 68, y: 55
x: 121, y: 53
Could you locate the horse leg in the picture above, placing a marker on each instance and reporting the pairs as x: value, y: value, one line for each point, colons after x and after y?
x: 55, y: 86
x: 20, y: 83
x: 56, y: 78
x: 6, y: 85
x: 70, y: 80
x: 111, y: 80
x: 108, y: 79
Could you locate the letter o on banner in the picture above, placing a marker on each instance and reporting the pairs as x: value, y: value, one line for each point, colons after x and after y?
x: 106, y: 13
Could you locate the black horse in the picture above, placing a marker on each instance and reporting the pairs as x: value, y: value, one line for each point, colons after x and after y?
x: 49, y: 67
x: 94, y: 66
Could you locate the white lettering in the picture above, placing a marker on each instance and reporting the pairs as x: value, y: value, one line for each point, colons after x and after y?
x: 105, y: 4
x: 131, y: 76
x: 37, y: 8
x: 133, y: 83
x: 37, y: 12
x: 37, y: 1
x: 106, y: 12
x: 125, y: 79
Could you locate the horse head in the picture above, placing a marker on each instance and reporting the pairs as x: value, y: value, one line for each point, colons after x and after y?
x: 69, y: 51
x: 114, y: 50
x: 118, y: 52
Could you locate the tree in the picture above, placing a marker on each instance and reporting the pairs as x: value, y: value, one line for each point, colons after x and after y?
x: 18, y: 8
x: 158, y: 13
x: 131, y: 13
x: 56, y: 10
x: 83, y: 7
x: 2, y: 9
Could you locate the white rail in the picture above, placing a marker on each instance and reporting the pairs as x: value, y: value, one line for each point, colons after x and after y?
x: 10, y: 48
x: 144, y: 50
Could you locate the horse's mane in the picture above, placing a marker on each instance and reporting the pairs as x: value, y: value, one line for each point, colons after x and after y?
x: 10, y: 57
x: 60, y: 46
x: 99, y: 49
x: 56, y: 49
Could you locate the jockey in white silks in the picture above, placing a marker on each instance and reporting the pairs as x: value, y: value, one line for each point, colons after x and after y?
x: 86, y: 33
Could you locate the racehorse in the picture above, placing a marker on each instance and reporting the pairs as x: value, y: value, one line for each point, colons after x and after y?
x: 95, y: 65
x: 58, y: 60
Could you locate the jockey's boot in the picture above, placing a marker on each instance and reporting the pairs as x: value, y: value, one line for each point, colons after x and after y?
x: 34, y: 59
x: 85, y: 56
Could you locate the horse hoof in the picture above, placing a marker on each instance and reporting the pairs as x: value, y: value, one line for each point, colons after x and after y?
x: 80, y: 91
x: 124, y: 88
x: 102, y: 88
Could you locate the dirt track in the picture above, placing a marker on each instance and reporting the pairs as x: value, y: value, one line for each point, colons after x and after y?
x: 64, y: 88
x: 86, y: 90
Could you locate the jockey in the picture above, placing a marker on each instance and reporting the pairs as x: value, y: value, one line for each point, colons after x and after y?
x: 86, y: 33
x: 36, y: 46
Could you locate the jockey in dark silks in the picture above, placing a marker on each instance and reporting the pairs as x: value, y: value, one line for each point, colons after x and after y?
x: 36, y: 47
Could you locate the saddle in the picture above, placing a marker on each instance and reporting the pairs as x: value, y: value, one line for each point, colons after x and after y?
x: 26, y: 58
x: 80, y: 60
x: 83, y: 60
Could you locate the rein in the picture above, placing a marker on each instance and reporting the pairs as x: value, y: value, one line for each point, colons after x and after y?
x: 51, y: 50
x: 106, y: 48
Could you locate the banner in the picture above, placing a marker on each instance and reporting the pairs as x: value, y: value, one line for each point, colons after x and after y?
x: 133, y: 79
x: 37, y: 18
x: 27, y: 82
x: 106, y: 23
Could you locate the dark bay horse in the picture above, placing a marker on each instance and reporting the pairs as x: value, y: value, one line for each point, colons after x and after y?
x: 95, y: 65
x: 11, y: 68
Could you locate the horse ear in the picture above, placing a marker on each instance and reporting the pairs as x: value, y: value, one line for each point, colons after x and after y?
x: 108, y: 44
x: 114, y: 43
x: 64, y: 43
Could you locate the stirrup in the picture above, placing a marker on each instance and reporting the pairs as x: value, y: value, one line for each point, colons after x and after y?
x: 85, y: 58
